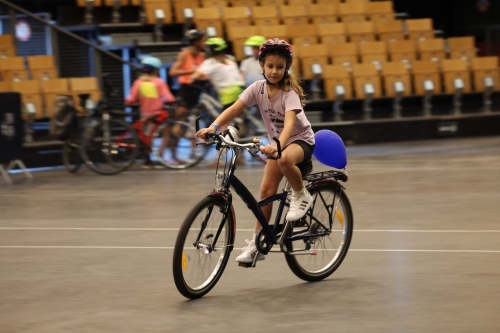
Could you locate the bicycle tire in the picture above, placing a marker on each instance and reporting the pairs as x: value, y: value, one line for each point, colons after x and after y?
x: 183, y: 263
x: 71, y: 156
x: 325, y: 192
x: 104, y: 161
x: 181, y: 152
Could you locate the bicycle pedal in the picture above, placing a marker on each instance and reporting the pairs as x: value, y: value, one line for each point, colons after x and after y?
x: 245, y: 264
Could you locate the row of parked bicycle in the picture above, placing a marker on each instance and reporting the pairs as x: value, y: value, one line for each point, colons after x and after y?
x: 110, y: 141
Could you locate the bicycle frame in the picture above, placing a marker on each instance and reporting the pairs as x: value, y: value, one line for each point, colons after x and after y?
x: 255, y: 207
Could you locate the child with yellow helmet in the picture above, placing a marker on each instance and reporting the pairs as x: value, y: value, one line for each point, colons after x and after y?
x: 250, y: 67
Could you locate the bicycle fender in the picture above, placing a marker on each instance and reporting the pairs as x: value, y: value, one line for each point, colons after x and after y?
x: 325, y: 181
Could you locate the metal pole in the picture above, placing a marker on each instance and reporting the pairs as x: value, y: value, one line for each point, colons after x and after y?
x: 64, y: 31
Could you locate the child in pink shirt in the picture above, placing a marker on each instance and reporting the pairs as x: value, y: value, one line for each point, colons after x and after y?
x: 149, y: 90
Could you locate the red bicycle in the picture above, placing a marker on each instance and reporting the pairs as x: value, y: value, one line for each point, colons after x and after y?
x: 111, y: 145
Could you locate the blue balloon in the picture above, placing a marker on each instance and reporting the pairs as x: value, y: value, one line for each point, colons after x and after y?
x: 330, y: 149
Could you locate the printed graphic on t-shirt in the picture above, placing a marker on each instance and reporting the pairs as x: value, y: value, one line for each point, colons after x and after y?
x: 148, y: 89
x: 277, y: 120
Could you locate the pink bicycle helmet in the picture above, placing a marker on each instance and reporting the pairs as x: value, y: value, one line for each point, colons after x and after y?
x: 273, y: 44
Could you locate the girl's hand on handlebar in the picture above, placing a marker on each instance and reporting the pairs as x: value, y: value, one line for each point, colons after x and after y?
x: 202, y: 133
x: 269, y: 150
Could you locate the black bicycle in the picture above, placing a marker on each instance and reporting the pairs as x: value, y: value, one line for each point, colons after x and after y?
x: 314, y: 246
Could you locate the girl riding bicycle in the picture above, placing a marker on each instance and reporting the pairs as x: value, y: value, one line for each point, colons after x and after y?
x: 151, y: 92
x: 280, y: 99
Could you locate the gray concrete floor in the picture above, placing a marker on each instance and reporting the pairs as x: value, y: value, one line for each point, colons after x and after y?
x: 87, y: 253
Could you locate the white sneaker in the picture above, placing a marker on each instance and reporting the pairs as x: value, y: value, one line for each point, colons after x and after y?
x: 249, y: 253
x: 299, y: 207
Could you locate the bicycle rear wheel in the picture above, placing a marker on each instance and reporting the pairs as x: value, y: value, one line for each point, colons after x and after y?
x: 317, y: 258
x: 71, y: 156
x: 174, y: 145
x: 203, y: 246
x: 110, y: 151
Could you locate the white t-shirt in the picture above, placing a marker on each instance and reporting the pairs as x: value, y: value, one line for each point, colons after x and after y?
x: 222, y: 75
x: 253, y: 72
x: 273, y: 111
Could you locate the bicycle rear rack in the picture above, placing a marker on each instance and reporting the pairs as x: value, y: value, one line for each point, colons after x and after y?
x: 337, y: 175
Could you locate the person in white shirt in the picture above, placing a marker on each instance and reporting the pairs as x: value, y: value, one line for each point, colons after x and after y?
x: 250, y: 67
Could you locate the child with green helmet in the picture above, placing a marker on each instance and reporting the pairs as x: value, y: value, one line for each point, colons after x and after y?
x: 222, y: 71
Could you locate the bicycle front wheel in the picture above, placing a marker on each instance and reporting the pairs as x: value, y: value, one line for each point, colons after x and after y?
x: 111, y: 148
x: 174, y: 145
x: 203, y: 246
x: 330, y: 217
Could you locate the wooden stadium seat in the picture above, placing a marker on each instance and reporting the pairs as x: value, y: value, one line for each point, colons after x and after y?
x: 482, y: 68
x: 295, y: 14
x: 462, y: 47
x: 6, y: 39
x: 332, y: 33
x: 393, y: 72
x: 344, y: 54
x: 179, y: 7
x: 366, y: 74
x: 361, y: 32
x: 355, y: 1
x: 42, y: 67
x: 431, y: 49
x: 84, y: 85
x: 390, y: 31
x: 214, y: 3
x: 238, y: 35
x: 455, y: 69
x: 111, y: 3
x: 299, y: 2
x: 322, y: 13
x: 44, y: 74
x: 209, y: 18
x: 52, y: 88
x: 373, y: 52
x: 337, y: 75
x: 404, y: 50
x: 13, y: 69
x: 41, y: 61
x: 328, y: 2
x: 309, y: 55
x: 273, y: 2
x: 236, y: 16
x: 7, y: 51
x: 380, y: 11
x: 30, y: 93
x: 352, y: 12
x: 425, y: 70
x: 242, y: 32
x: 15, y: 75
x: 303, y: 34
x: 244, y: 3
x: 420, y: 29
x: 83, y: 3
x: 151, y: 6
x: 5, y: 86
x: 273, y: 31
x: 265, y: 15
x: 137, y: 2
